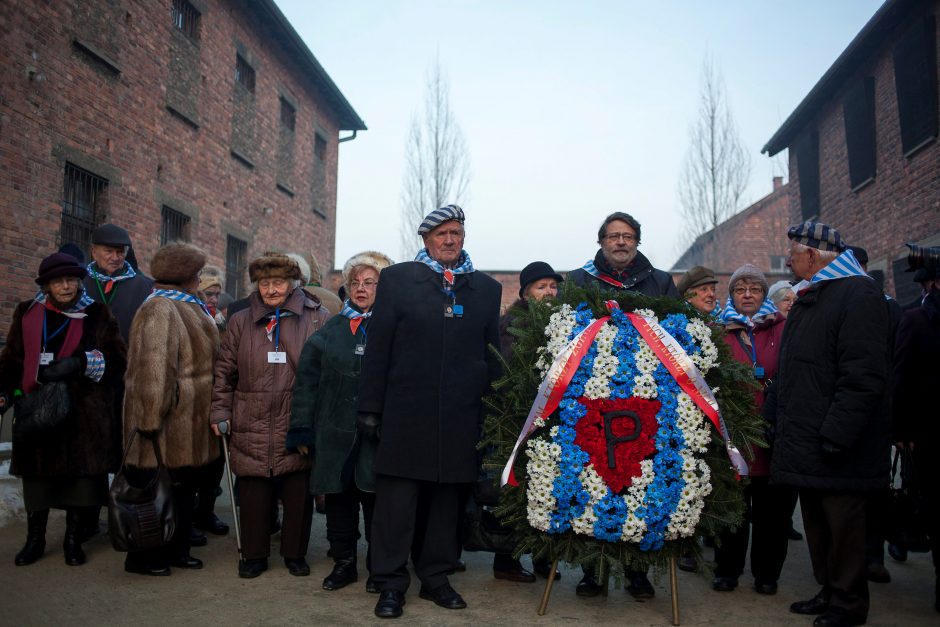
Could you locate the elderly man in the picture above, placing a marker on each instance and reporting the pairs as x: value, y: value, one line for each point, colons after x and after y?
x: 618, y: 264
x: 830, y: 438
x: 697, y: 287
x: 111, y: 279
x: 426, y: 368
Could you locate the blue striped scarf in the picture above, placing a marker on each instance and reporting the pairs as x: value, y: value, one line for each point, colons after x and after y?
x: 465, y: 266
x: 94, y: 364
x: 76, y: 310
x: 730, y: 315
x: 180, y: 297
x: 842, y: 267
x: 128, y: 273
x: 348, y: 312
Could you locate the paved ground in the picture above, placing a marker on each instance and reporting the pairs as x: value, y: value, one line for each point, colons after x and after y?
x: 49, y: 592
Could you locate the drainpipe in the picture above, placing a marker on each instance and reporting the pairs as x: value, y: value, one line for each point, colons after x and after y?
x: 348, y: 138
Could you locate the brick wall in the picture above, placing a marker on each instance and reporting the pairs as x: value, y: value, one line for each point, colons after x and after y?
x: 115, y: 89
x: 902, y: 203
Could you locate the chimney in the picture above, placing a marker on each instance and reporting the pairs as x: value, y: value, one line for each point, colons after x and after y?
x: 778, y: 182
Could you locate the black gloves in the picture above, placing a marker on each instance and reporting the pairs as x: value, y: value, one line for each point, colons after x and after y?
x: 369, y: 425
x: 61, y: 369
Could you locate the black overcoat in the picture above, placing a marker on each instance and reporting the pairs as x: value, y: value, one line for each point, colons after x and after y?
x: 831, y: 379
x: 125, y: 299
x: 426, y: 374
x: 917, y: 349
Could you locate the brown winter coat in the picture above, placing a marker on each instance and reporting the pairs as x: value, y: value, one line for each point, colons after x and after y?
x: 169, y: 383
x: 90, y: 443
x: 254, y: 395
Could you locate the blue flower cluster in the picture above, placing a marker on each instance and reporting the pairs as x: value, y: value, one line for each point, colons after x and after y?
x: 663, y: 495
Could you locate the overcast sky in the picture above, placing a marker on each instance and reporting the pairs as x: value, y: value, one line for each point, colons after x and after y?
x: 570, y: 110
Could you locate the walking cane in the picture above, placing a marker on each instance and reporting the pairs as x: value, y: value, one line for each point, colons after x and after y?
x: 223, y: 428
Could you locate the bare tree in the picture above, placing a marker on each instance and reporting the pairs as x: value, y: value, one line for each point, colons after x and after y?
x: 437, y: 165
x: 717, y: 168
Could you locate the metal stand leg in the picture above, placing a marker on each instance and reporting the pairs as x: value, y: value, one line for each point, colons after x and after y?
x: 674, y: 584
x: 548, y: 588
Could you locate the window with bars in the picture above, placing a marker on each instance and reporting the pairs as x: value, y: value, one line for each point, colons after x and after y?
x: 82, y: 206
x: 807, y: 167
x: 185, y: 18
x: 319, y: 146
x: 288, y: 114
x: 236, y: 262
x: 244, y: 73
x: 915, y: 77
x: 175, y: 226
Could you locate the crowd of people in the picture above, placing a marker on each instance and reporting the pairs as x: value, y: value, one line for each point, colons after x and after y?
x: 374, y: 404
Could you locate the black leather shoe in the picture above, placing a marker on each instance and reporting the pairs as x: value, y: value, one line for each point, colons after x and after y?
x: 461, y: 567
x: 542, y: 568
x: 687, y: 563
x: 297, y: 567
x: 249, y: 569
x: 72, y: 544
x: 144, y: 569
x: 816, y: 605
x: 197, y: 538
x: 390, y: 604
x: 371, y: 586
x: 444, y: 596
x: 724, y: 584
x: 836, y: 617
x: 344, y: 573
x: 587, y: 587
x: 897, y: 552
x: 640, y: 587
x: 211, y: 524
x: 765, y: 587
x: 35, y: 538
x: 186, y: 561
x: 515, y: 573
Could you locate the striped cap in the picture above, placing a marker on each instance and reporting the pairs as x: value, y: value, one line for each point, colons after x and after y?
x: 440, y: 216
x: 817, y: 235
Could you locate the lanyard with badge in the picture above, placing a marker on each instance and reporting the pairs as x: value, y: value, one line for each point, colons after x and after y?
x: 276, y: 356
x: 360, y: 349
x: 46, y: 358
x: 758, y: 370
x: 452, y: 309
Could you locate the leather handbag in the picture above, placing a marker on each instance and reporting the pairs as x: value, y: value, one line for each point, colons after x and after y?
x: 44, y: 409
x: 144, y: 517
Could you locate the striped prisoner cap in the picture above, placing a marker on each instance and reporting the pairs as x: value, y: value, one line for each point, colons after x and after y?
x: 817, y: 235
x: 440, y: 216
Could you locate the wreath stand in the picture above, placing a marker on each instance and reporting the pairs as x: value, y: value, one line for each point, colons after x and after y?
x: 673, y: 585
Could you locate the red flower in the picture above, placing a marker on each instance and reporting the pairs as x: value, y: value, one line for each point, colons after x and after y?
x: 617, y: 434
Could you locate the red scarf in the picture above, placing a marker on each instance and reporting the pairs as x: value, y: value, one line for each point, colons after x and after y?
x: 32, y: 344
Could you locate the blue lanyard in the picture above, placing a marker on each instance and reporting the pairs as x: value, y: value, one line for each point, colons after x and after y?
x: 277, y: 328
x: 452, y: 294
x: 365, y: 335
x: 750, y: 334
x: 45, y: 337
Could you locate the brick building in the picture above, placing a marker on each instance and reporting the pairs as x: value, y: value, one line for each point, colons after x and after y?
x: 201, y: 120
x: 755, y: 235
x: 863, y: 149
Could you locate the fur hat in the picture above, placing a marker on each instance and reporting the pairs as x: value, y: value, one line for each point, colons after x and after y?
x: 273, y: 265
x: 368, y: 258
x: 750, y: 272
x: 303, y: 265
x: 211, y: 275
x: 177, y: 263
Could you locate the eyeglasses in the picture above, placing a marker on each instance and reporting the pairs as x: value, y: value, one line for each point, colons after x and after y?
x: 614, y: 237
x: 741, y: 291
x: 368, y: 284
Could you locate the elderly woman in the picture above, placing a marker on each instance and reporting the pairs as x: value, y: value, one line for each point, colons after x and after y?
x: 323, y: 419
x: 755, y: 328
x: 254, y: 382
x: 174, y: 343
x: 62, y: 335
x: 782, y: 296
x: 697, y: 287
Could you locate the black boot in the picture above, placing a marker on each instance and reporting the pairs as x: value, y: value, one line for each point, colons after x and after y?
x: 74, y: 530
x: 204, y: 516
x: 35, y: 538
x: 344, y: 573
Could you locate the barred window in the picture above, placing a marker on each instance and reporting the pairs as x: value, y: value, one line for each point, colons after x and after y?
x: 807, y: 167
x: 175, y: 226
x: 82, y: 206
x: 244, y: 73
x: 288, y: 114
x: 319, y: 146
x: 185, y: 18
x: 915, y: 77
x: 236, y: 262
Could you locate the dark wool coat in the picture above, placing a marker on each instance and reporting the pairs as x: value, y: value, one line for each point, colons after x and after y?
x: 426, y: 374
x: 90, y: 444
x: 916, y: 352
x: 830, y: 385
x: 169, y: 383
x: 254, y: 395
x: 640, y: 276
x: 767, y: 337
x: 125, y: 299
x: 323, y: 410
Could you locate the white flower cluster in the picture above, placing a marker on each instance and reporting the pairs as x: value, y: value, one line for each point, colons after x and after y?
x: 559, y: 328
x: 542, y: 470
x: 644, y: 384
x: 634, y: 527
x: 697, y: 476
x: 646, y: 313
x: 691, y: 420
x: 605, y: 364
x: 708, y: 358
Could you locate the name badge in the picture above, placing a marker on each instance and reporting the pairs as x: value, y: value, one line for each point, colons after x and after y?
x: 360, y: 349
x: 453, y: 311
x: 277, y: 357
x: 758, y: 372
x: 46, y: 358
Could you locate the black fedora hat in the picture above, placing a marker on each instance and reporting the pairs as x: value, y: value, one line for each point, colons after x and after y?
x: 59, y: 264
x: 535, y: 271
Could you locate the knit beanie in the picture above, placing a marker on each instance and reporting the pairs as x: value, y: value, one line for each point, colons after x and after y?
x: 748, y: 271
